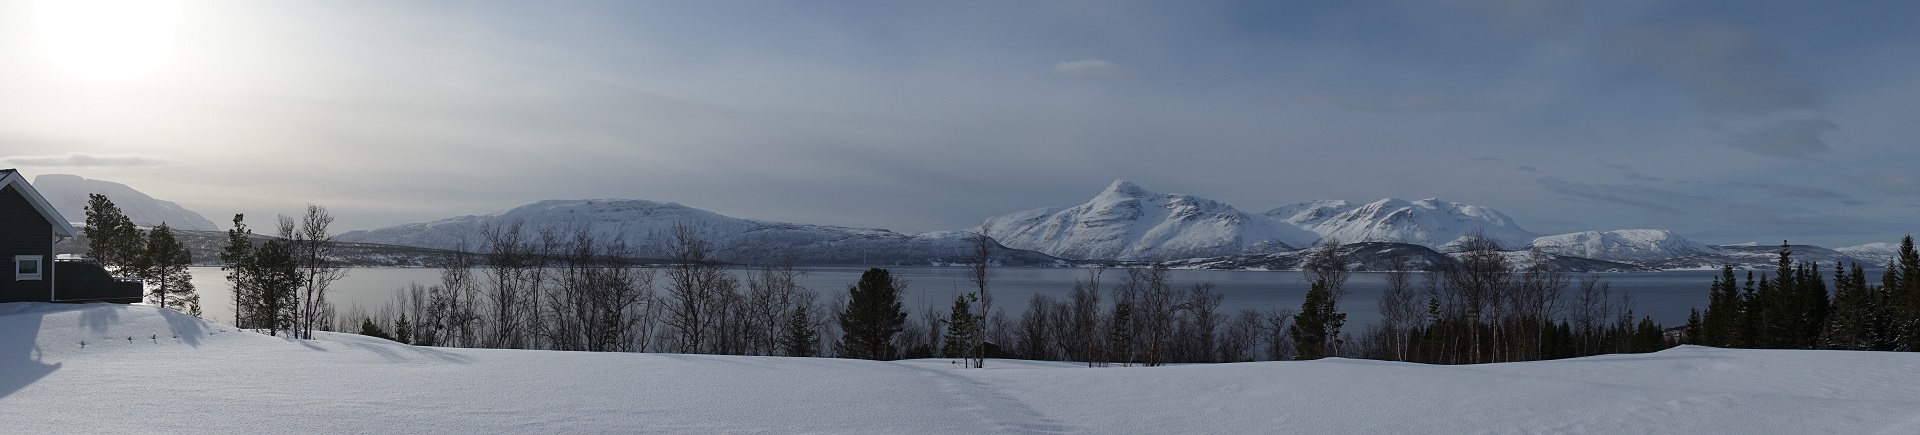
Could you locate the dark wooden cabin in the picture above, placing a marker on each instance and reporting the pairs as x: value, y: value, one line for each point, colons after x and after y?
x: 29, y: 227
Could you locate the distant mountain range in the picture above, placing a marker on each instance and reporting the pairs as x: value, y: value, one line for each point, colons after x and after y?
x: 646, y: 225
x: 1122, y: 223
x: 68, y: 194
x: 1129, y: 223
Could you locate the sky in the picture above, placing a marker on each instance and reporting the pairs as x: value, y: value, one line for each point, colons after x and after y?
x: 1724, y: 121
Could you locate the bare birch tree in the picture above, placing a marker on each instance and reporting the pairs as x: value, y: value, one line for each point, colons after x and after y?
x: 314, y: 253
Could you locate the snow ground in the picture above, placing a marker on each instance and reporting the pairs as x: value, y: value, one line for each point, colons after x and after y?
x: 182, y: 375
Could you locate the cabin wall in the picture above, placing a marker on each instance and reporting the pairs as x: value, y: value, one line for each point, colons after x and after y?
x: 23, y: 232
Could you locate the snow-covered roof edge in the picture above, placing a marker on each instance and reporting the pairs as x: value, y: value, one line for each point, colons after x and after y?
x: 11, y: 177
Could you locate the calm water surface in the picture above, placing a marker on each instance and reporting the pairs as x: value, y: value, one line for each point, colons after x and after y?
x: 1667, y: 296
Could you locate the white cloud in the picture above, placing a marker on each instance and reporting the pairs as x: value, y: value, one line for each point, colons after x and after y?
x: 1092, y: 69
x: 86, y: 160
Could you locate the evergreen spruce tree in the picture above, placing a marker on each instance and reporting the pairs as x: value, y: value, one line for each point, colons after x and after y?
x: 799, y: 337
x: 1693, y: 332
x: 1647, y: 337
x: 873, y: 316
x: 1747, y: 330
x: 112, y: 240
x: 1812, y: 305
x: 1850, y: 325
x: 1880, y: 328
x: 370, y: 329
x: 1902, y: 285
x: 1316, y: 329
x: 962, y: 327
x: 1769, y: 308
x: 238, y: 251
x: 1781, y: 316
x: 403, y: 330
x: 163, y: 265
x: 1120, y: 332
x: 276, y: 276
x: 1719, y: 326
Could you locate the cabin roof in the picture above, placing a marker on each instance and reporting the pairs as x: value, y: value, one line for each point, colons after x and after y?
x: 10, y: 177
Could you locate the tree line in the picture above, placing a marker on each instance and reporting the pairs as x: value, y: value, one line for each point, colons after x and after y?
x: 279, y: 286
x: 563, y: 289
x: 1792, y: 308
x: 1483, y: 309
x: 567, y: 289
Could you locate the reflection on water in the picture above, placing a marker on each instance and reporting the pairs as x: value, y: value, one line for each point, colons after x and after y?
x: 1667, y: 296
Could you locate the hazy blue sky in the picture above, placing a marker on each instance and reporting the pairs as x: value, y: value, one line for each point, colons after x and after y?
x: 1727, y: 121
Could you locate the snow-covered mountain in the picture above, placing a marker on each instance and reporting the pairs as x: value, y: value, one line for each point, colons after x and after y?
x: 1623, y: 245
x: 647, y: 226
x: 68, y: 194
x: 1430, y: 222
x: 1127, y: 222
x: 1876, y: 254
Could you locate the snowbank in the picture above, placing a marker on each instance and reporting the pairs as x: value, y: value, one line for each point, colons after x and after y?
x: 142, y: 369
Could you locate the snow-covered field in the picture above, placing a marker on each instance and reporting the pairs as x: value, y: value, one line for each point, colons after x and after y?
x: 178, y: 374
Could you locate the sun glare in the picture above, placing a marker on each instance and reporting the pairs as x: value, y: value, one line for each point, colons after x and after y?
x: 107, y: 39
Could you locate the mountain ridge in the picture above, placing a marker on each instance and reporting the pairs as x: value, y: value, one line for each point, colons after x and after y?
x: 68, y: 194
x: 647, y: 226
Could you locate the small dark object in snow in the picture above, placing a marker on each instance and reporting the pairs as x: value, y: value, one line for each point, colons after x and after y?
x: 129, y: 339
x: 83, y: 344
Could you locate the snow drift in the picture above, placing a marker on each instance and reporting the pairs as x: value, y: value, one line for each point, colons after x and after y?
x: 119, y: 368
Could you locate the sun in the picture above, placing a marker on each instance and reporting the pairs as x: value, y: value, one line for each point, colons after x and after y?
x: 107, y: 39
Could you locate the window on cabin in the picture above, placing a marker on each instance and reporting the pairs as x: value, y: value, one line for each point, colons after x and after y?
x: 26, y: 267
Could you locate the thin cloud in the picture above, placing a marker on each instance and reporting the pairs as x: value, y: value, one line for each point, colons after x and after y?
x: 1798, y: 138
x: 1725, y: 66
x: 1732, y: 71
x: 1416, y: 102
x: 1779, y: 190
x: 1513, y: 18
x: 1898, y: 180
x: 1642, y: 197
x: 1092, y: 69
x: 88, y: 160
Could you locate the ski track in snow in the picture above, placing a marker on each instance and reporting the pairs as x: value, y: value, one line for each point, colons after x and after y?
x: 992, y: 408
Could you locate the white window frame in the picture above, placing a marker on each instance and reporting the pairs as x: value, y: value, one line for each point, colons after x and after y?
x: 40, y: 267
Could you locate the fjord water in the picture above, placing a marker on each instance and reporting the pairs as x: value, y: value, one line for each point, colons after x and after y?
x: 1666, y: 296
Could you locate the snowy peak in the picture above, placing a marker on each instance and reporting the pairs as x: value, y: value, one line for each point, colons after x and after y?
x: 1310, y: 212
x: 1428, y: 222
x: 68, y: 194
x: 1623, y: 245
x: 1124, y: 189
x: 1128, y: 222
x: 1874, y: 254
